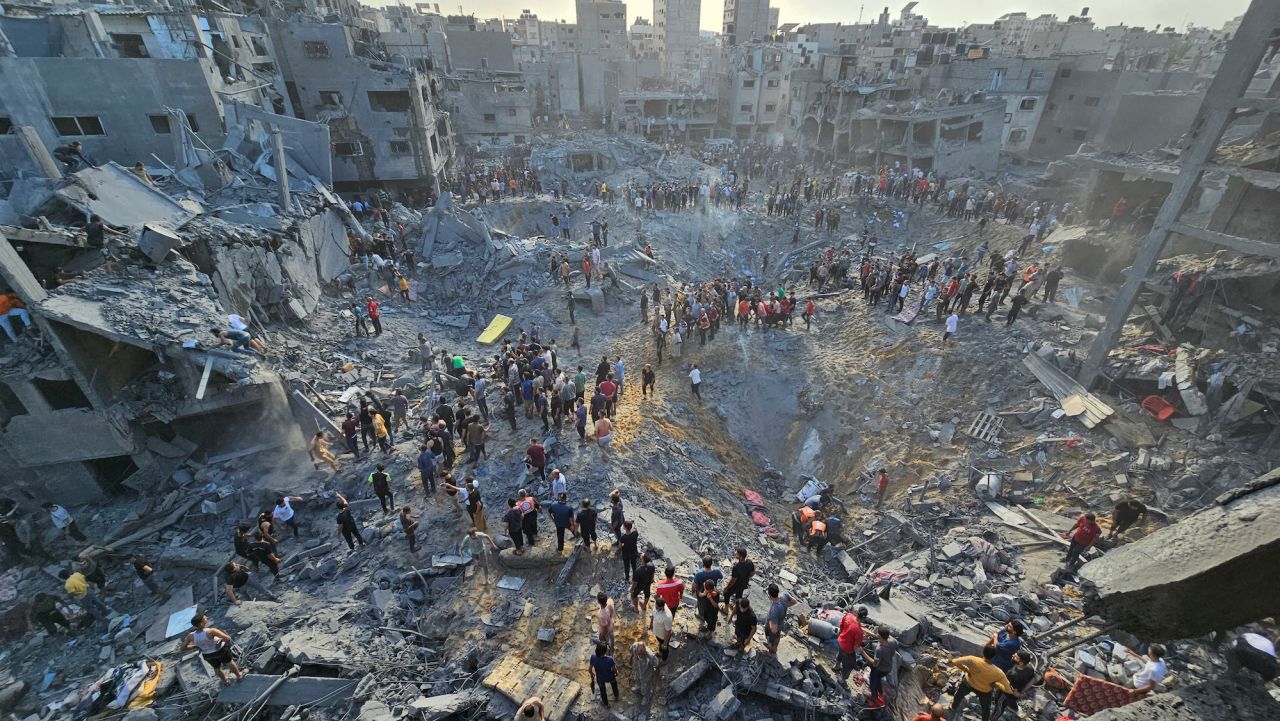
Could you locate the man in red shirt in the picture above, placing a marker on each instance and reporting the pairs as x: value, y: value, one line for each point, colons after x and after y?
x: 536, y: 457
x: 744, y: 310
x: 670, y: 590
x: 610, y: 391
x: 375, y: 315
x: 936, y: 712
x: 850, y: 641
x: 1085, y: 532
x: 882, y: 487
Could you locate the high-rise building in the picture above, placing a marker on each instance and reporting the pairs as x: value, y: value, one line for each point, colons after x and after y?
x: 676, y: 31
x: 602, y: 28
x: 745, y: 20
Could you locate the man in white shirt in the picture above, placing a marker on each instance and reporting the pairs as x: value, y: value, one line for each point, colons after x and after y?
x: 283, y: 513
x: 953, y: 322
x: 63, y: 521
x: 695, y: 380
x: 660, y: 624
x: 1153, y: 671
x: 559, y: 484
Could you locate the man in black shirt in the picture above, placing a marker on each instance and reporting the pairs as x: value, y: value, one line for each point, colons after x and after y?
x: 381, y: 482
x: 147, y: 575
x: 1020, y: 678
x: 744, y: 625
x: 630, y: 548
x: 642, y: 582
x: 587, y: 524
x: 347, y: 526
x: 233, y: 577
x: 739, y: 578
x: 261, y: 551
x: 515, y: 525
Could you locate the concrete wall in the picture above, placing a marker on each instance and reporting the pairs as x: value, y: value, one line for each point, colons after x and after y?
x: 602, y: 28
x: 120, y: 92
x: 1113, y: 108
x: 490, y: 112
x: 372, y: 143
x: 1023, y: 85
x: 468, y: 49
x: 745, y: 20
x: 677, y: 27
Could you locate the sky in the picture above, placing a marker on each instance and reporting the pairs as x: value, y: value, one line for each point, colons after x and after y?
x: 1145, y: 13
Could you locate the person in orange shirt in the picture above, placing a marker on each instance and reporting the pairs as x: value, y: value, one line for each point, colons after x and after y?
x: 11, y: 307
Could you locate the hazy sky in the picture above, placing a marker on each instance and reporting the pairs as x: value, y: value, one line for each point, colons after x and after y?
x: 1146, y: 13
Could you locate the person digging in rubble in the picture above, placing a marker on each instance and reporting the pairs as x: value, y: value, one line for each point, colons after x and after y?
x: 1153, y: 670
x: 47, y: 611
x: 320, y: 453
x: 817, y: 537
x: 71, y: 155
x: 239, y: 340
x: 478, y: 544
x: 214, y: 645
x: 531, y: 710
x: 1124, y: 515
x: 282, y: 513
x: 234, y: 577
x: 147, y: 574
x: 358, y: 312
x: 981, y: 678
x: 77, y: 587
x: 1082, y: 536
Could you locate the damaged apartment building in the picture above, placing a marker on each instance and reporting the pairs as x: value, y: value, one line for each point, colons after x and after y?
x: 120, y: 81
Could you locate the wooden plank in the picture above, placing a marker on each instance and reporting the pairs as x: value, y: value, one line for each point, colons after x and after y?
x: 1003, y: 513
x: 204, y: 378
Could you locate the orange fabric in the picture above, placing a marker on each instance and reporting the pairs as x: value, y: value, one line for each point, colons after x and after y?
x: 6, y: 304
x: 817, y: 527
x: 807, y: 514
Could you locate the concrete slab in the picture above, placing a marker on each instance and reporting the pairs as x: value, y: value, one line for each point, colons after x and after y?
x: 903, y: 617
x: 156, y: 241
x: 121, y: 198
x: 518, y: 681
x: 96, y: 434
x: 1214, y: 569
x: 433, y: 708
x: 315, y: 692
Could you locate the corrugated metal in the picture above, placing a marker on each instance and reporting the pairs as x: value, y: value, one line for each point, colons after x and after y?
x: 1064, y: 386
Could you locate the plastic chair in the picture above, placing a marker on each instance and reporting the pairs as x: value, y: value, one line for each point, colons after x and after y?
x: 1158, y: 407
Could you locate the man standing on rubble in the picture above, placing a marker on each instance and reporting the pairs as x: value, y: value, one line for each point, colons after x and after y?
x: 381, y: 482
x: 776, y: 623
x: 348, y: 528
x: 535, y: 457
x: 1082, y: 536
x: 63, y: 521
x: 477, y: 544
x: 739, y: 578
x: 561, y: 515
x: 214, y: 646
x: 849, y: 639
x: 375, y: 314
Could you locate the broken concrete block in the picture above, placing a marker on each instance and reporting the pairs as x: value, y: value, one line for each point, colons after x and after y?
x: 157, y: 241
x: 724, y: 705
x: 687, y: 679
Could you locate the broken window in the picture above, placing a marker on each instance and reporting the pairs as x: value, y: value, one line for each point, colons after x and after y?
x: 331, y: 97
x: 490, y: 118
x: 511, y: 112
x: 1017, y: 135
x: 435, y: 145
x: 259, y: 47
x: 61, y: 394
x: 315, y: 48
x: 1092, y: 101
x: 78, y: 125
x: 770, y: 107
x: 1027, y: 104
x: 192, y: 123
x: 1064, y: 73
x: 771, y: 84
x: 347, y: 150
x: 748, y: 83
x: 400, y: 147
x: 389, y: 101
x: 159, y: 124
x: 129, y: 45
x: 6, y: 125
x: 235, y: 41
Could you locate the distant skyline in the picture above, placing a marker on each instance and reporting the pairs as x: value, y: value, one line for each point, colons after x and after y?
x: 1144, y: 13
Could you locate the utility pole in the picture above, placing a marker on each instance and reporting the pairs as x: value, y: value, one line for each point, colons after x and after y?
x: 282, y: 167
